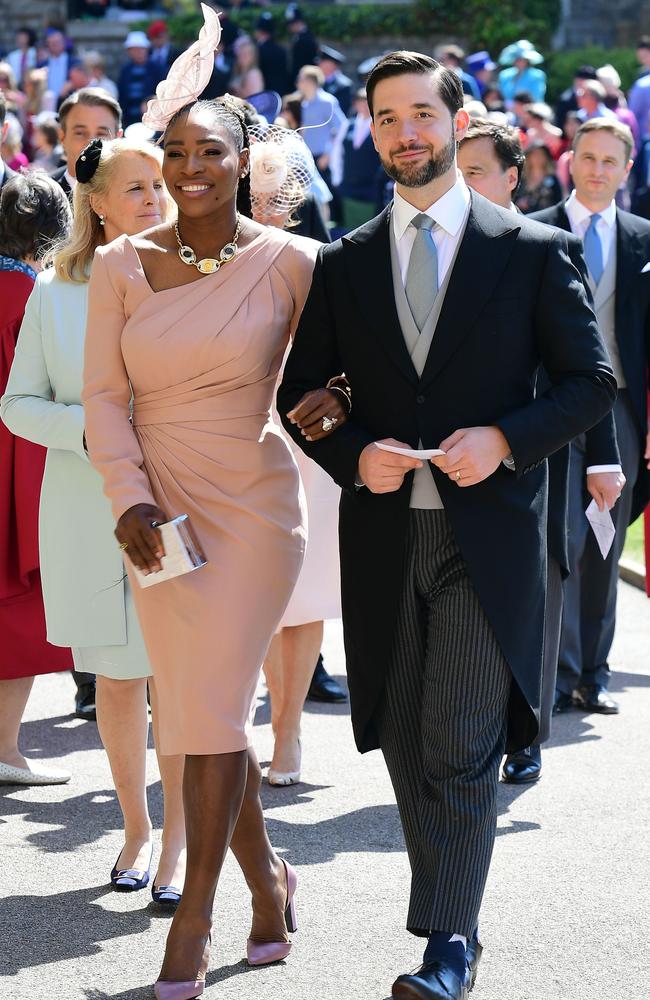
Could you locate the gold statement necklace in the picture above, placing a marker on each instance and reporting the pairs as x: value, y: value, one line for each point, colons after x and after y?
x: 208, y: 265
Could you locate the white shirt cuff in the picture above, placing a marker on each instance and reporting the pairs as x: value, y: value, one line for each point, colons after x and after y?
x: 509, y: 463
x: 593, y: 469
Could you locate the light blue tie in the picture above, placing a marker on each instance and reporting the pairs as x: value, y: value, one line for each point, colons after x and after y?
x: 422, y: 274
x: 594, y: 249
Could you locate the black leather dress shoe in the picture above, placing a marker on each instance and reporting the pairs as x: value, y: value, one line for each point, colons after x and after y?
x: 472, y: 957
x: 84, y: 703
x: 434, y: 981
x: 595, y: 698
x: 522, y: 767
x: 562, y: 703
x: 323, y: 687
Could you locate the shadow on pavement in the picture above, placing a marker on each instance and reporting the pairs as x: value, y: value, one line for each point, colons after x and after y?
x: 69, y: 924
x: 58, y: 736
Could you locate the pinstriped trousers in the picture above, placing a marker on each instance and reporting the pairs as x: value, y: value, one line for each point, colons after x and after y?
x: 442, y: 730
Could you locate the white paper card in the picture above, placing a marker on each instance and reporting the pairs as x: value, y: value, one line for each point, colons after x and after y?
x: 603, y: 527
x: 422, y: 453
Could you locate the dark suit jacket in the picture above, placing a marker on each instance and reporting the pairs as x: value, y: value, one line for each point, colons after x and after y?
x: 273, y: 66
x: 632, y: 336
x: 58, y: 175
x: 340, y: 87
x: 8, y: 173
x: 514, y: 300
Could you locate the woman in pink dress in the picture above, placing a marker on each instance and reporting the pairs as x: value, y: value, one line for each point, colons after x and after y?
x: 193, y: 320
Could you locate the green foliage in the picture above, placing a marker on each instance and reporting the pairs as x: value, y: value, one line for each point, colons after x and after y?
x: 484, y: 23
x: 561, y: 66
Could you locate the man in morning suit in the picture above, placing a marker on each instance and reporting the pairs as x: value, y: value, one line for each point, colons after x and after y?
x: 440, y: 311
x: 617, y: 252
x: 90, y: 113
x: 491, y: 159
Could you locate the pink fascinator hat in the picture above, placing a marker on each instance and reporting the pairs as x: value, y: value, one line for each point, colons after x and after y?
x: 188, y: 76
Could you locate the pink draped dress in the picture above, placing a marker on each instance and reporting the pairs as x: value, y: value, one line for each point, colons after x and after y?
x: 202, y: 361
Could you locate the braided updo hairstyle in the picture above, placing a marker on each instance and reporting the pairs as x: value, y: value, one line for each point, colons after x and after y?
x: 226, y: 112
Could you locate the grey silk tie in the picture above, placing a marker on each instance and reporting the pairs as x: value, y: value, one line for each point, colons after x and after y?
x: 422, y: 274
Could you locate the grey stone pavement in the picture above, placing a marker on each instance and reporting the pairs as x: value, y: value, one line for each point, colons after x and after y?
x: 566, y: 910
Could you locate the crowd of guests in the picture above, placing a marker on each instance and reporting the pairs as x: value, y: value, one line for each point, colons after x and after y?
x: 91, y: 247
x: 304, y: 86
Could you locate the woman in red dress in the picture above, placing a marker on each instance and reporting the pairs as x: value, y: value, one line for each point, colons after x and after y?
x: 33, y: 211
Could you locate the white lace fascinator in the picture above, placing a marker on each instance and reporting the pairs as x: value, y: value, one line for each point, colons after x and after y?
x: 188, y: 76
x: 281, y: 170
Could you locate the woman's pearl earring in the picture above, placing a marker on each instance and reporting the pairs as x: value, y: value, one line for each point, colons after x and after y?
x: 101, y: 219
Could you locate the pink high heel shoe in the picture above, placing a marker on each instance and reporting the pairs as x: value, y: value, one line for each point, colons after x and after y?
x: 266, y: 952
x: 179, y: 991
x: 188, y: 989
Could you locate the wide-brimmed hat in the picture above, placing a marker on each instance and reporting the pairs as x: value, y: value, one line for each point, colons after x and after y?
x: 523, y: 49
x: 137, y: 40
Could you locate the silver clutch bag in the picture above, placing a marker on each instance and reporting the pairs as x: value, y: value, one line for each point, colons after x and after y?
x: 183, y: 552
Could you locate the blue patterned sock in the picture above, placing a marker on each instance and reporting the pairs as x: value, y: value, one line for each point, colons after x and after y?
x: 441, y: 948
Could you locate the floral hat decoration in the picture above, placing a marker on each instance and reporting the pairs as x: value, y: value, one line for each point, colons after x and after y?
x: 188, y: 76
x: 281, y: 170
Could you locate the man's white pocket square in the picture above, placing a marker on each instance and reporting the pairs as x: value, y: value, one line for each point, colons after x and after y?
x: 646, y: 267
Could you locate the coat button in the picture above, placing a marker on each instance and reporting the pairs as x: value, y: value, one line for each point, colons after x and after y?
x: 420, y: 399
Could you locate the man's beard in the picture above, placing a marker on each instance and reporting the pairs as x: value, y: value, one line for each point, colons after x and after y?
x: 412, y: 176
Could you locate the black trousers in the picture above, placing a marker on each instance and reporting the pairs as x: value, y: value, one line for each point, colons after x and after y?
x: 589, y: 617
x: 442, y: 729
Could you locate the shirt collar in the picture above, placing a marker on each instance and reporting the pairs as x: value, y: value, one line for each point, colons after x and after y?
x: 72, y: 181
x: 448, y: 212
x: 579, y: 213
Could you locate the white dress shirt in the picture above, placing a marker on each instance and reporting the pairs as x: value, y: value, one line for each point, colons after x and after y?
x: 72, y: 181
x: 449, y: 212
x: 579, y: 217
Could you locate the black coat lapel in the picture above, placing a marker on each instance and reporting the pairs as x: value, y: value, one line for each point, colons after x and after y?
x: 482, y: 257
x: 630, y: 258
x: 368, y: 261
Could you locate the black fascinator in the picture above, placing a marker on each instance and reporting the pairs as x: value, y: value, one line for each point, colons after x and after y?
x: 88, y: 161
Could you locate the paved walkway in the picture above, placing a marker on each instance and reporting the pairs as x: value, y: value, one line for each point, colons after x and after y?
x: 565, y: 914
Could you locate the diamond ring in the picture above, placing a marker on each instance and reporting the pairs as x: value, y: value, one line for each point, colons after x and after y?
x: 328, y: 422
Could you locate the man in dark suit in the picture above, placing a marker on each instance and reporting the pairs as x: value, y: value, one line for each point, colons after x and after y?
x: 336, y: 82
x: 304, y: 47
x: 491, y: 159
x: 439, y: 311
x: 272, y: 57
x: 617, y: 252
x: 87, y: 114
x: 162, y: 53
x: 6, y: 173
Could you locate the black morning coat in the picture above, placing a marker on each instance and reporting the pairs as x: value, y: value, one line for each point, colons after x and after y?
x: 514, y: 301
x: 601, y: 446
x: 632, y: 320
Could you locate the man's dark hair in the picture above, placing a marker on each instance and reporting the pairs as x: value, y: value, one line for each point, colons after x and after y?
x: 34, y: 213
x: 505, y: 141
x: 91, y: 97
x: 3, y: 109
x: 643, y: 42
x: 450, y: 88
x: 31, y: 35
x: 523, y: 97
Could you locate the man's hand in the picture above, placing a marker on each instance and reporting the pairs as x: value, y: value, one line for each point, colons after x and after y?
x: 384, y: 471
x: 605, y: 488
x: 472, y: 454
x: 647, y: 450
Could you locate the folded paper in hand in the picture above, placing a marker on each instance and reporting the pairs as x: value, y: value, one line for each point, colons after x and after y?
x: 183, y: 553
x: 422, y: 453
x: 603, y: 527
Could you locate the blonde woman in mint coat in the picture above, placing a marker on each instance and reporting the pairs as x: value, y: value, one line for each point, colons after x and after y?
x: 88, y: 604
